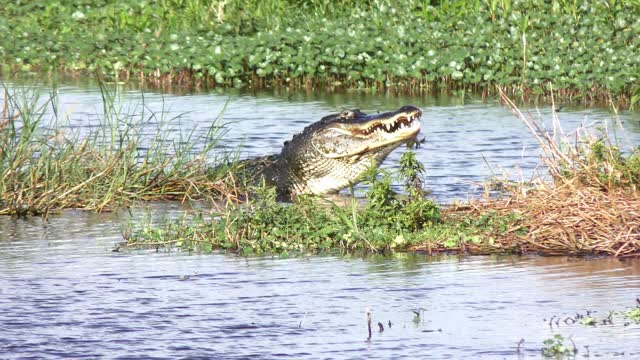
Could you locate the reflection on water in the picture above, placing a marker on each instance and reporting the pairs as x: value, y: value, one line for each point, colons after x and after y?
x: 64, y: 292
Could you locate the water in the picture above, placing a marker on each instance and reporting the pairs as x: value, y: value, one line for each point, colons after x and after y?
x: 64, y: 292
x: 74, y: 297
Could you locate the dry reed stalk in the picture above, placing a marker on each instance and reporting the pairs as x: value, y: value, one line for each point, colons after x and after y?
x: 4, y: 119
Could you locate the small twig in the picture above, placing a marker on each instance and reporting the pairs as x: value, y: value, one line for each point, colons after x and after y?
x: 520, y: 343
x: 368, y: 317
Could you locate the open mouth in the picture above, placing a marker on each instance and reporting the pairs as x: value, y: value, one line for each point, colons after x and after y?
x: 399, y: 123
x: 347, y: 140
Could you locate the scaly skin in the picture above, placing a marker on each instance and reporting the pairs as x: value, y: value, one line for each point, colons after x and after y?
x: 333, y: 153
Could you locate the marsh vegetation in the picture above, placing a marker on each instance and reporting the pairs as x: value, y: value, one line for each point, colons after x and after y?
x: 46, y: 165
x: 588, y: 206
x: 588, y: 50
x: 531, y: 50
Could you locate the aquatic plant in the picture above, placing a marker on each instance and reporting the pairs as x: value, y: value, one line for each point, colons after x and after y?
x: 46, y: 166
x: 591, y: 205
x: 634, y: 314
x: 555, y: 347
x: 586, y: 50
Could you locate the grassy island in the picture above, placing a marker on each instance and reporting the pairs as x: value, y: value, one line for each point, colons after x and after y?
x: 588, y: 50
x: 589, y: 206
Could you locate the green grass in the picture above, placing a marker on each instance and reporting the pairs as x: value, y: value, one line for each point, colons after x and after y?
x: 587, y: 50
x: 634, y: 314
x: 46, y: 166
x: 387, y: 222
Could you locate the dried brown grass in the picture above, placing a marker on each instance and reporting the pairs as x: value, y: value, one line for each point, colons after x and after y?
x: 577, y: 213
x: 569, y: 220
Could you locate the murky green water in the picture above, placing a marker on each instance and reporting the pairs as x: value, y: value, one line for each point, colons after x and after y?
x: 64, y: 293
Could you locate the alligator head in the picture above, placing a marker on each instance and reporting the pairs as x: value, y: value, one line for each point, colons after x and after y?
x: 334, y: 152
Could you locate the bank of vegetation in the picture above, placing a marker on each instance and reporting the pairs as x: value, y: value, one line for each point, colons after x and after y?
x: 566, y: 218
x: 588, y: 50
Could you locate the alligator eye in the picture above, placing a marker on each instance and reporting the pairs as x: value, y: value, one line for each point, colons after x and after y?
x: 347, y: 114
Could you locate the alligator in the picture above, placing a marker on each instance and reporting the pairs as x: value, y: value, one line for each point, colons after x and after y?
x: 333, y: 153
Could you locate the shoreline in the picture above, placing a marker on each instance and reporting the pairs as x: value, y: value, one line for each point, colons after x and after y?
x: 518, y: 49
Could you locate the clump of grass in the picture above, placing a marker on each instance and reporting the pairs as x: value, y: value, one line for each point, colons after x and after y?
x: 634, y: 314
x: 568, y: 220
x: 586, y: 160
x: 590, y: 206
x: 45, y: 168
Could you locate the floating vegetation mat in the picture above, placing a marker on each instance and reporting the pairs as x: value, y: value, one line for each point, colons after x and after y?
x: 588, y: 50
x: 552, y: 221
x: 565, y: 219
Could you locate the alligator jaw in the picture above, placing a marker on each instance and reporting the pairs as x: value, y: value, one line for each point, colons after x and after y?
x: 373, y: 132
